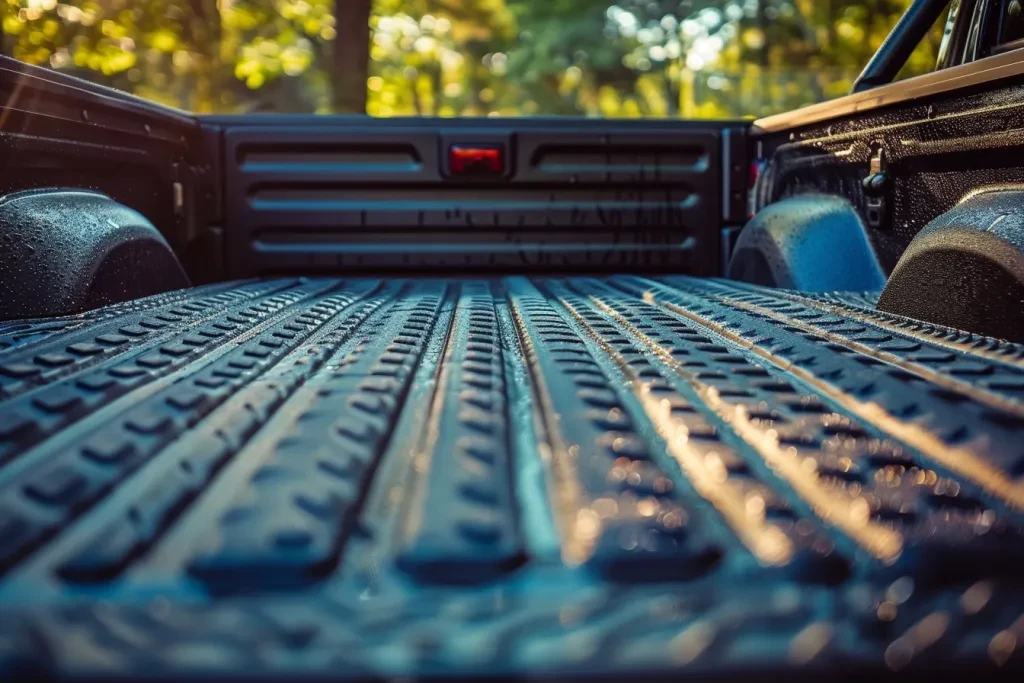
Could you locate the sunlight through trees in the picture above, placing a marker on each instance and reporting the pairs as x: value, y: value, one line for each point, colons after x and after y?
x: 630, y: 58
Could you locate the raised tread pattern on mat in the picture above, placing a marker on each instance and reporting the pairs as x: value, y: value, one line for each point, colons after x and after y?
x: 562, y: 476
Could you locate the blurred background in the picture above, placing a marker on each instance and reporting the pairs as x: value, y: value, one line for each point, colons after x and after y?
x: 601, y: 58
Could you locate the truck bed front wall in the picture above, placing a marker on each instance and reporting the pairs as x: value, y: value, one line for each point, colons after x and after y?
x: 308, y: 194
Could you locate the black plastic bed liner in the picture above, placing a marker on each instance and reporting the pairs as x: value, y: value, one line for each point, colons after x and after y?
x: 549, y: 476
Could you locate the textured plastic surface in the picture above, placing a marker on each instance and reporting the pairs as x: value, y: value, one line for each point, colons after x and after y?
x: 813, y: 243
x: 60, y: 131
x: 316, y: 194
x: 65, y: 251
x: 965, y: 269
x: 937, y: 150
x: 621, y: 476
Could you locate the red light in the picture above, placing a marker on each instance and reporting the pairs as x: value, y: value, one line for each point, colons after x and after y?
x: 755, y: 171
x: 476, y: 160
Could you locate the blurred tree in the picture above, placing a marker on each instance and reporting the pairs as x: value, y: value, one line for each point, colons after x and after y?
x: 281, y: 51
x: 350, y: 67
x: 439, y: 57
x: 613, y: 58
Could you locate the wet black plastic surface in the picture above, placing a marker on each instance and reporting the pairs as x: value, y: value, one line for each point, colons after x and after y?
x: 345, y: 194
x: 966, y: 268
x: 813, y: 243
x: 65, y: 132
x: 937, y: 150
x: 625, y: 475
x: 65, y: 251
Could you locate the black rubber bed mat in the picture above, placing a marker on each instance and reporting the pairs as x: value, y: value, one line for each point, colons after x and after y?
x: 597, y: 476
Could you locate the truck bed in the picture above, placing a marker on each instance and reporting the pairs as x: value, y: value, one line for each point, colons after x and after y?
x: 430, y: 477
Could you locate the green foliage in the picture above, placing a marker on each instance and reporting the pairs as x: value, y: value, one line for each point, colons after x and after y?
x: 630, y: 58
